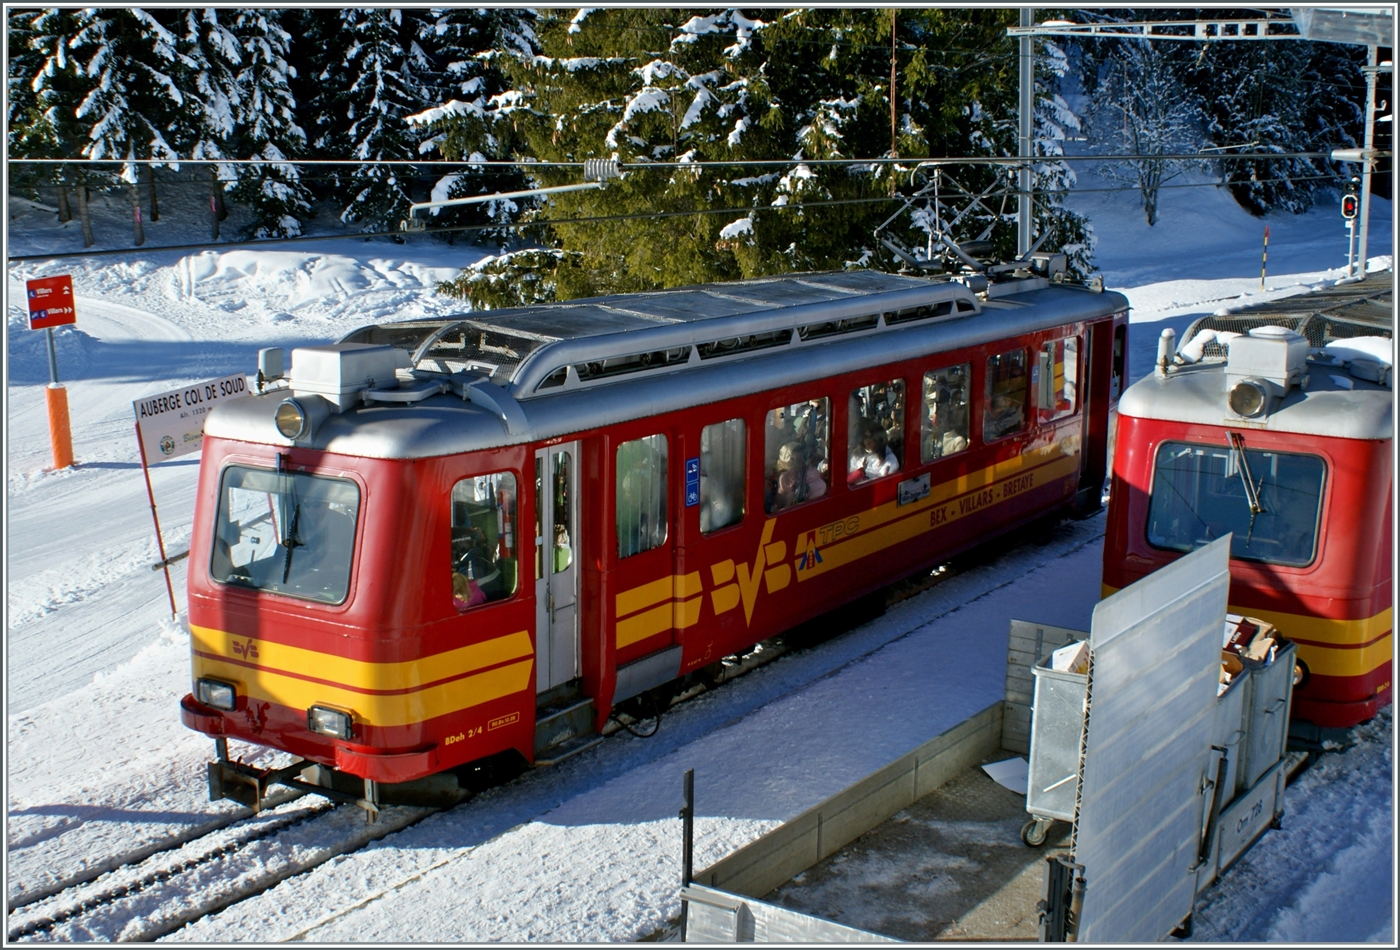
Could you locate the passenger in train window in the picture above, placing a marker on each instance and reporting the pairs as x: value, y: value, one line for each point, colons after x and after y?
x: 796, y: 469
x: 945, y: 417
x: 483, y: 545
x: 563, y: 551
x: 477, y: 563
x: 872, y: 458
x: 465, y: 593
x: 875, y: 431
x: 818, y: 475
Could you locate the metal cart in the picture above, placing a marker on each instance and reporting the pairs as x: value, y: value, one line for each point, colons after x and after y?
x: 1057, y: 735
x: 1250, y: 733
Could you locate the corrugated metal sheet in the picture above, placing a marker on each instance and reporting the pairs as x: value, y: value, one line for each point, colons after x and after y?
x: 1155, y: 669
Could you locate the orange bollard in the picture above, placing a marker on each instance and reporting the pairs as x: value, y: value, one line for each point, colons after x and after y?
x: 60, y: 433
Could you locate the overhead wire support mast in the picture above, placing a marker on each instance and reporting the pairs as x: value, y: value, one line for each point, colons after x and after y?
x: 1372, y: 27
x: 1268, y: 29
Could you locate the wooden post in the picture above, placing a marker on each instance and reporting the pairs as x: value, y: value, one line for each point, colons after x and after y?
x: 138, y: 230
x: 160, y: 541
x: 85, y: 214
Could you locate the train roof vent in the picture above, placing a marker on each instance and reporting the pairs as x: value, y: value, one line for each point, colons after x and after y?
x: 1273, y: 353
x: 339, y: 372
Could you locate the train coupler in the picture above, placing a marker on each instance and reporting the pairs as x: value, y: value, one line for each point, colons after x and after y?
x: 248, y: 784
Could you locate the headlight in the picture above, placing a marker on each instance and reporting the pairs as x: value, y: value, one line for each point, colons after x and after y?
x: 329, y: 722
x: 291, y: 419
x: 215, y: 693
x: 1248, y: 398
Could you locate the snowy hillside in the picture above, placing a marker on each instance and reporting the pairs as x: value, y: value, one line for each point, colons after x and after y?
x: 97, y: 762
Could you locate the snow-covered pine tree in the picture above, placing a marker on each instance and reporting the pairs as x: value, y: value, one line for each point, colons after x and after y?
x: 209, y: 59
x: 1269, y: 97
x: 128, y: 60
x: 46, y: 88
x: 35, y: 90
x: 1279, y: 97
x: 374, y: 71
x: 1055, y: 122
x: 265, y: 123
x: 645, y: 86
x: 464, y: 46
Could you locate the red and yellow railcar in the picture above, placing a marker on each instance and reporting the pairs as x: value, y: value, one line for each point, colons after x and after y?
x: 1276, y: 427
x: 435, y: 542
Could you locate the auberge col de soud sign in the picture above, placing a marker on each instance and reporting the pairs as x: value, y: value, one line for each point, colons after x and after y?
x: 172, y: 423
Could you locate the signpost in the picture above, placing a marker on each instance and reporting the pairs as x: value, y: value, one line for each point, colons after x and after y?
x: 51, y: 305
x: 171, y: 424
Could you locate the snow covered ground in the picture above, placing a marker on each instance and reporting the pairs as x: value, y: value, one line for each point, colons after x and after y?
x: 98, y: 764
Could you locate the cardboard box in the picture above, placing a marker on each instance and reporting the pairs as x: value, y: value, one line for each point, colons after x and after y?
x: 1071, y: 658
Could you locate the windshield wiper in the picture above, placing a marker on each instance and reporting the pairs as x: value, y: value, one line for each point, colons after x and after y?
x: 291, y: 543
x: 1251, y: 493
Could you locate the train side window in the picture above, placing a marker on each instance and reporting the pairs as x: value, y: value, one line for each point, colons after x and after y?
x: 875, y: 431
x: 1004, y: 411
x: 944, y: 426
x: 1055, y: 378
x: 641, y: 495
x: 721, y: 475
x: 483, y: 539
x: 796, y: 464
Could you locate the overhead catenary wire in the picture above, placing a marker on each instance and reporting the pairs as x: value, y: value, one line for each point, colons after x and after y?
x: 595, y: 219
x: 648, y: 164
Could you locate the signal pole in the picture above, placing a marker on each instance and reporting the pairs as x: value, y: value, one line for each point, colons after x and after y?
x: 1369, y: 139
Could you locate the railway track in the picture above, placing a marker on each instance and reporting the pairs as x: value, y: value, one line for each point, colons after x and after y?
x: 154, y: 896
x: 105, y: 866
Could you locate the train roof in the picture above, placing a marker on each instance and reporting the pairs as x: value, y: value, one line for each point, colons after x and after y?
x: 658, y: 352
x: 533, y: 349
x: 1334, y: 402
x: 1340, y: 312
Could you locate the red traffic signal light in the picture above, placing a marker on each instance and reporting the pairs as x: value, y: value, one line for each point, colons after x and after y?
x: 1348, y: 206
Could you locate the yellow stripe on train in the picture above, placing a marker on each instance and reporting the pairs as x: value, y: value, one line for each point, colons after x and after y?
x: 990, y: 486
x: 1329, y: 647
x: 675, y: 602
x: 375, y: 709
x: 361, y: 674
x: 380, y: 694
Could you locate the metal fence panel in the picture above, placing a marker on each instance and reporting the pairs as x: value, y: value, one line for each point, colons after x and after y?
x: 716, y: 916
x: 1152, y: 691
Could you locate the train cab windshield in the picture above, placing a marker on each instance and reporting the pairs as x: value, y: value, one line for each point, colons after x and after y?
x: 285, y: 533
x: 1270, y: 500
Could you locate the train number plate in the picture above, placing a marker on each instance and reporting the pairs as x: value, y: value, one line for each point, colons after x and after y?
x: 914, y: 489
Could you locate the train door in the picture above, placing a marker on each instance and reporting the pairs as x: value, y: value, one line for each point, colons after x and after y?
x: 1096, y: 400
x: 556, y: 566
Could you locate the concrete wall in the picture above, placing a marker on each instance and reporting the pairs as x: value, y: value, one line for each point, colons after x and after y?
x: 793, y: 847
x: 1027, y: 644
